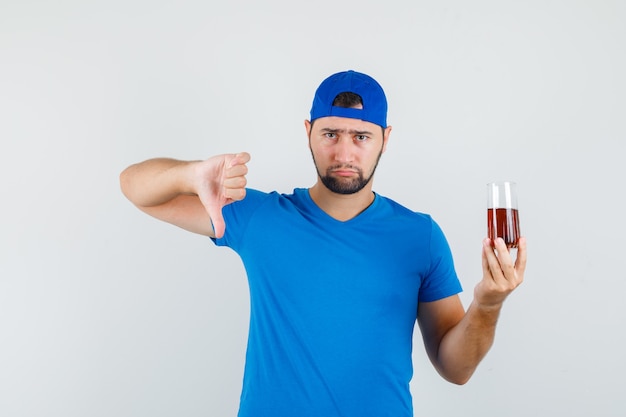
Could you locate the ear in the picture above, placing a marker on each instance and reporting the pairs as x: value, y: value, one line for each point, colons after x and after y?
x: 386, y: 134
x: 308, y: 126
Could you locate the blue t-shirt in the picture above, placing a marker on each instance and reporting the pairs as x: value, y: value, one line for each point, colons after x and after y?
x: 333, y: 304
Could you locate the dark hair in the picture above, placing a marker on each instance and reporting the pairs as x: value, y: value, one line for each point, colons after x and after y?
x: 347, y: 99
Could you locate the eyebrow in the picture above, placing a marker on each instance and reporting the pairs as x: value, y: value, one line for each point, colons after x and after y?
x: 351, y: 131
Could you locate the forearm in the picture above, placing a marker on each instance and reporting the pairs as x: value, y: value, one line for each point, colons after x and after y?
x: 156, y: 181
x: 466, y: 344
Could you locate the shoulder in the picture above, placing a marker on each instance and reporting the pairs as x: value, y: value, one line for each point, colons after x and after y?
x: 413, y: 223
x: 258, y: 211
x: 393, y: 208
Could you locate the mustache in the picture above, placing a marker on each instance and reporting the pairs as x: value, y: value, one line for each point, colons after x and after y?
x: 343, y: 166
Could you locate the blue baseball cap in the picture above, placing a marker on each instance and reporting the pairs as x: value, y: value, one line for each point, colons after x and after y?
x: 374, y: 101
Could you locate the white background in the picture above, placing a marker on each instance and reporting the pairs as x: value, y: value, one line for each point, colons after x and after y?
x: 107, y: 312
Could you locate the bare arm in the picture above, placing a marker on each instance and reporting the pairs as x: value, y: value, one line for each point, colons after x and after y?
x: 455, y: 341
x: 188, y: 194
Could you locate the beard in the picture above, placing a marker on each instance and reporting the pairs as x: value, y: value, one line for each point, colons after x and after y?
x: 345, y: 186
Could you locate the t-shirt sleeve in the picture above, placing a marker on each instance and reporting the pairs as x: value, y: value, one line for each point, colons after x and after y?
x: 237, y: 215
x: 441, y: 281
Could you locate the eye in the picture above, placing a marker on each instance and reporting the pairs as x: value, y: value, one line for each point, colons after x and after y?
x: 361, y: 138
x: 330, y: 135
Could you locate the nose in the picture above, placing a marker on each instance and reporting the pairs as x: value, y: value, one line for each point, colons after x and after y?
x: 344, y: 151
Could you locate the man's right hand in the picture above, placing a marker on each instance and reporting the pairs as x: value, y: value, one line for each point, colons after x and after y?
x: 219, y: 181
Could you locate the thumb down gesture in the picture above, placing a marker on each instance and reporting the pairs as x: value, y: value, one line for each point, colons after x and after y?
x: 221, y: 180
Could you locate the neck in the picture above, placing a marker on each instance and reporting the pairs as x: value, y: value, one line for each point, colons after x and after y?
x: 341, y: 207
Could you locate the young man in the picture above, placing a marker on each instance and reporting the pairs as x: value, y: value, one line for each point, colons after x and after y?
x: 338, y: 274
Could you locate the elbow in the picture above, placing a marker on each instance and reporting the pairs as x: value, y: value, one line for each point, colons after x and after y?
x: 458, y: 376
x: 126, y: 183
x: 459, y: 380
x: 123, y: 181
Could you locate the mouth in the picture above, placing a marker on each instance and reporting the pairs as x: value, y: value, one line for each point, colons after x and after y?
x: 343, y: 172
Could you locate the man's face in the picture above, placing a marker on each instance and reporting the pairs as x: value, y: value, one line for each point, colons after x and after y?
x: 346, y: 151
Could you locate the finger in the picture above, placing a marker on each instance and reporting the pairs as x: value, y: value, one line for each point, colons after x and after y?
x: 239, y: 170
x: 520, y: 262
x: 500, y: 262
x: 234, y: 194
x: 502, y: 251
x: 491, y: 265
x: 241, y: 158
x: 485, y: 257
x: 234, y: 176
x: 505, y: 260
x: 235, y: 182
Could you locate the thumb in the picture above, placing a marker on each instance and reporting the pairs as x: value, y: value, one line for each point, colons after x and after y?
x: 217, y: 219
x: 210, y: 195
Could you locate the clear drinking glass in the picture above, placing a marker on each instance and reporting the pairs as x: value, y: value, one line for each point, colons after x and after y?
x: 502, y: 212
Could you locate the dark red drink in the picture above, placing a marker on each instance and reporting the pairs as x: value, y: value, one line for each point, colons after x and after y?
x: 504, y: 223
